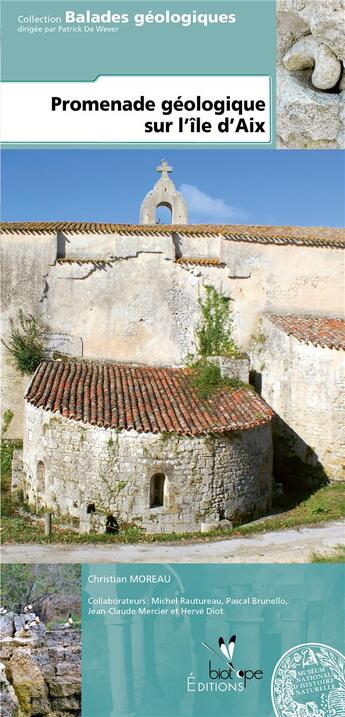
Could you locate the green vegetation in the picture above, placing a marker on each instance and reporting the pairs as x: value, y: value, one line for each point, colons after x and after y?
x: 214, y: 331
x: 8, y: 504
x: 324, y: 504
x: 6, y: 420
x: 26, y: 343
x: 6, y: 454
x: 213, y: 338
x: 23, y: 583
x: 336, y: 556
x: 206, y: 378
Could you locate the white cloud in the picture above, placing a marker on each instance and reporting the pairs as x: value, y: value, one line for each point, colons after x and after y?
x: 210, y: 209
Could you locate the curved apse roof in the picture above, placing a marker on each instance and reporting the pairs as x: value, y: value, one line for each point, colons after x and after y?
x: 147, y: 399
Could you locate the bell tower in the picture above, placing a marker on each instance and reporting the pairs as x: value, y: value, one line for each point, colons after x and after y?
x: 164, y: 194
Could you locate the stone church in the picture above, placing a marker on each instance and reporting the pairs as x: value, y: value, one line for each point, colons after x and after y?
x: 113, y: 428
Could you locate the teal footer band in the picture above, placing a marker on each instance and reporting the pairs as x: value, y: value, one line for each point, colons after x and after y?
x: 205, y: 640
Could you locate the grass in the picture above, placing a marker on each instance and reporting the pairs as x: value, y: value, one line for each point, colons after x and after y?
x: 325, y: 504
x: 336, y: 556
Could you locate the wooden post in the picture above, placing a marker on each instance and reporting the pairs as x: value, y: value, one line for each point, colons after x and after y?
x: 47, y: 524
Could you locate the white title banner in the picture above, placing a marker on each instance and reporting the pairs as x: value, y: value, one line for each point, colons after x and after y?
x: 139, y: 110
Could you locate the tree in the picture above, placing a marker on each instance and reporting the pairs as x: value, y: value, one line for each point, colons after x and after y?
x: 23, y: 584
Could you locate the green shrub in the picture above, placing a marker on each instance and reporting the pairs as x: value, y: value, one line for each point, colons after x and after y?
x: 6, y: 453
x: 214, y: 331
x: 27, y: 342
x: 206, y: 378
x: 6, y: 420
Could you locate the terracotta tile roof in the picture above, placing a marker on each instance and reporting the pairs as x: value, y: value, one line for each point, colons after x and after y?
x: 142, y: 398
x: 305, y: 236
x: 198, y: 261
x: 318, y: 330
x: 88, y: 260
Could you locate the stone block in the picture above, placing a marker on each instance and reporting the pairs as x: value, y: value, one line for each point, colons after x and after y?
x: 206, y: 527
x: 59, y: 687
x: 225, y: 524
x: 7, y: 627
x: 67, y: 704
x: 65, y: 345
x: 67, y: 668
x: 237, y: 368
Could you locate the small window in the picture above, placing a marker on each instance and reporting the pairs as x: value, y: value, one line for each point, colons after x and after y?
x: 41, y: 477
x: 157, y: 490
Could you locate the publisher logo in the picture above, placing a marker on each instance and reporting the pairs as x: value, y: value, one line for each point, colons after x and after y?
x: 309, y: 681
x: 223, y: 673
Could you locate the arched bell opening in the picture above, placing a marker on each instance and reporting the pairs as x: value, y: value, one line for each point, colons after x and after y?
x: 164, y: 213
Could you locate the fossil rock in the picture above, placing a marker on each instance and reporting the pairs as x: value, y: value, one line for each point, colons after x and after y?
x: 308, y: 53
x: 310, y: 57
x: 326, y: 20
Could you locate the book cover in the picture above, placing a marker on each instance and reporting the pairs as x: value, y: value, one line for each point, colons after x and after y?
x: 172, y: 358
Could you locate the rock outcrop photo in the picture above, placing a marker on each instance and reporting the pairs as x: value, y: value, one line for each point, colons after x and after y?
x: 40, y: 655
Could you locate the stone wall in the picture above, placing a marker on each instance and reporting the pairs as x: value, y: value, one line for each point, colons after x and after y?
x: 305, y: 386
x: 125, y: 298
x: 40, y: 674
x: 25, y: 261
x: 145, y: 308
x: 135, y: 309
x: 207, y: 477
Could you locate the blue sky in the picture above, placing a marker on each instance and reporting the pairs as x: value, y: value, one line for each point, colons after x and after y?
x: 221, y: 186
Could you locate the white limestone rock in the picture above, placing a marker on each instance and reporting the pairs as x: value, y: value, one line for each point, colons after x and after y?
x: 308, y: 53
x: 325, y: 19
x: 307, y: 119
x: 7, y: 624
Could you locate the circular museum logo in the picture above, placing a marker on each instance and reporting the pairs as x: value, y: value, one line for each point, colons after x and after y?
x: 309, y: 681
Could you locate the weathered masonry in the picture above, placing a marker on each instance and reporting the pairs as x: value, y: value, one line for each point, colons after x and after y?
x: 40, y: 672
x: 303, y: 378
x: 137, y: 444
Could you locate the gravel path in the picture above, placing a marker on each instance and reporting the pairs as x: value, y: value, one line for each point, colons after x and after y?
x: 295, y: 545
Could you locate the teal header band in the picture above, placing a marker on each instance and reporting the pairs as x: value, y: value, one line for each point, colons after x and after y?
x: 67, y: 55
x: 59, y: 41
x: 204, y: 640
